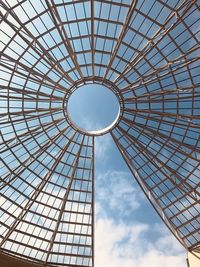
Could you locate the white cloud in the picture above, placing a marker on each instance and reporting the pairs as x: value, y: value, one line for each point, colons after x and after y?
x: 89, y: 125
x: 102, y: 146
x: 124, y: 245
x: 116, y: 190
x: 130, y: 243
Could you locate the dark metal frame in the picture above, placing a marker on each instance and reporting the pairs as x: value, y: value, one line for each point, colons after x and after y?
x: 148, y: 55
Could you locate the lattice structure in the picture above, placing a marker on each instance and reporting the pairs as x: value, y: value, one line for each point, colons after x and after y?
x: 148, y: 54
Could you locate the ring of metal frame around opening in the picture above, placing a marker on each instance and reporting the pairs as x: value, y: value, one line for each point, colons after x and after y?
x: 110, y: 86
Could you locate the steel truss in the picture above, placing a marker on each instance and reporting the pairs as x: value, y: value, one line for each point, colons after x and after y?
x: 148, y: 54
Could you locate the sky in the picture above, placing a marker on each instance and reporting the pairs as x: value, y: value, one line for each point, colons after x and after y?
x: 128, y: 231
x: 95, y: 104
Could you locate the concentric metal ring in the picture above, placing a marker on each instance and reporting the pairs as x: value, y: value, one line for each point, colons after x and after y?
x: 110, y: 86
x: 147, y: 53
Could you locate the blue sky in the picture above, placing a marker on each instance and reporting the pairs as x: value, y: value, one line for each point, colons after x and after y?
x: 95, y: 104
x: 128, y: 231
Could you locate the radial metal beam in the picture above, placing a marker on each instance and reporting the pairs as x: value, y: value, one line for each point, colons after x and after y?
x: 146, y: 189
x: 36, y: 76
x: 143, y: 58
x: 92, y: 35
x: 167, y: 140
x: 36, y: 193
x: 14, y: 173
x: 59, y: 24
x: 122, y: 34
x: 160, y: 34
x: 166, y: 170
x: 45, y: 55
x: 64, y: 201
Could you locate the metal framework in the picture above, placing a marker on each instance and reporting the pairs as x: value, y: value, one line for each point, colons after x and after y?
x: 148, y: 53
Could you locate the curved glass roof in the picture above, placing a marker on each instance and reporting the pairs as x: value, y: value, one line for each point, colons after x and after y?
x: 147, y: 53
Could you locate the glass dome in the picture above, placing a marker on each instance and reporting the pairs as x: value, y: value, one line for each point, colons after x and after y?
x: 147, y: 54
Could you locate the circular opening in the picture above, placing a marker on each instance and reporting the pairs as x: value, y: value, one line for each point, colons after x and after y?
x: 93, y: 109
